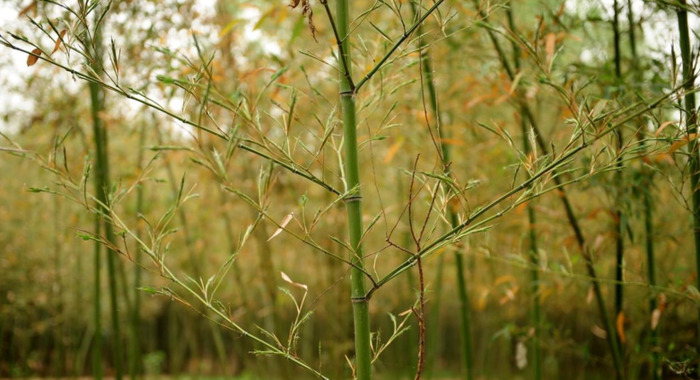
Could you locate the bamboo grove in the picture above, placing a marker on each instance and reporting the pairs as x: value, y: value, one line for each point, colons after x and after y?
x: 351, y: 189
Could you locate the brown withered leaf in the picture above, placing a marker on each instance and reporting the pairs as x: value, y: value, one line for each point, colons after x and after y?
x: 29, y: 8
x: 33, y: 57
x: 620, y: 325
x: 58, y: 40
x: 307, y: 12
x: 283, y: 224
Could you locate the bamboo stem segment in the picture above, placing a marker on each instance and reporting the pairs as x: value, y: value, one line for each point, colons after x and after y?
x: 360, y: 303
x: 103, y: 186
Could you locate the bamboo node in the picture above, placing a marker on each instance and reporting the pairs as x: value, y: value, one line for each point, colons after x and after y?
x: 353, y: 198
x: 363, y: 299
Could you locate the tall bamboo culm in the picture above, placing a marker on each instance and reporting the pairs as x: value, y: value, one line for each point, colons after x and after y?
x: 648, y: 214
x: 619, y: 198
x: 134, y: 346
x: 536, y: 311
x: 353, y: 202
x: 691, y: 128
x: 102, y: 185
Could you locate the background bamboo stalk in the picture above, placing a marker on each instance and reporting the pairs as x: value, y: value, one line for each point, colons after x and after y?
x: 97, y: 305
x: 647, y: 213
x: 135, y: 361
x: 536, y: 313
x: 618, y: 185
x: 690, y: 116
x: 102, y: 189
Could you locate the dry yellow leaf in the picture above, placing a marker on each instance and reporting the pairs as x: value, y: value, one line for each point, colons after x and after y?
x: 620, y: 325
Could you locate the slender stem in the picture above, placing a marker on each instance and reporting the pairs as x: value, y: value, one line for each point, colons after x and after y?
x: 103, y: 186
x: 648, y: 212
x: 135, y: 348
x: 536, y: 312
x: 651, y: 269
x: 690, y: 115
x: 632, y: 32
x: 464, y: 316
x: 619, y: 199
x: 97, y: 303
x: 360, y: 303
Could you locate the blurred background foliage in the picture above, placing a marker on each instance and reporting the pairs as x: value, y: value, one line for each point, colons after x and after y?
x: 46, y: 282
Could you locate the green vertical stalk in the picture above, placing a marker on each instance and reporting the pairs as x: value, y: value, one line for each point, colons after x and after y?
x: 134, y: 347
x: 97, y: 302
x: 465, y: 319
x: 691, y: 128
x: 651, y: 273
x: 360, y: 303
x: 536, y: 311
x: 60, y: 325
x: 619, y: 233
x: 632, y: 31
x: 102, y: 185
x: 648, y: 216
x: 566, y: 203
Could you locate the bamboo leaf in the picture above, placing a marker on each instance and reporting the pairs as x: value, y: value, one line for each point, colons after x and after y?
x: 33, y: 57
x: 59, y: 40
x: 620, y: 326
x: 283, y: 224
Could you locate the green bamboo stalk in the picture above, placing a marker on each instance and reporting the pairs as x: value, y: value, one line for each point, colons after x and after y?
x: 619, y: 233
x: 60, y: 325
x: 360, y: 303
x: 648, y: 216
x: 691, y: 128
x: 135, y: 347
x: 566, y: 203
x: 97, y: 302
x: 651, y: 270
x: 465, y: 318
x: 102, y: 185
x: 536, y: 311
x: 632, y: 31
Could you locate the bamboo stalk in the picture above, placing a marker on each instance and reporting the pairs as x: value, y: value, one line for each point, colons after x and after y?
x: 360, y: 303
x: 103, y: 186
x: 619, y: 226
x: 97, y: 302
x: 648, y: 216
x: 651, y: 272
x: 59, y: 325
x: 536, y: 311
x: 691, y: 128
x: 135, y: 347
